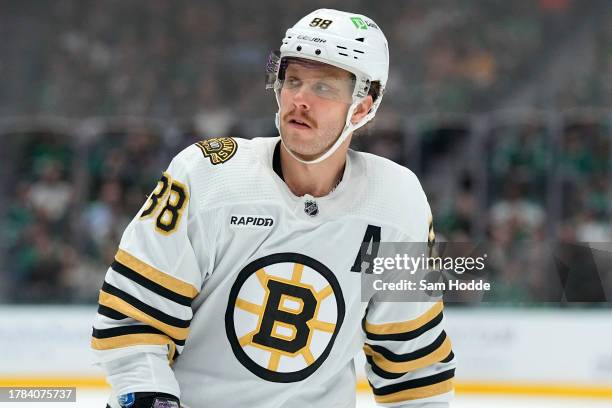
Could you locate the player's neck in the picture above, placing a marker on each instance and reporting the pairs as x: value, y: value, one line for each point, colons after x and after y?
x: 318, y: 179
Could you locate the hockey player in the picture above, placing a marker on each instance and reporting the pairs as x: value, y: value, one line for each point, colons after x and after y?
x: 238, y: 282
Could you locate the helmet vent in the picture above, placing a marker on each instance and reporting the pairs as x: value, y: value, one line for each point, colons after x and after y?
x: 362, y: 39
x: 361, y: 52
x: 341, y: 53
x: 341, y: 47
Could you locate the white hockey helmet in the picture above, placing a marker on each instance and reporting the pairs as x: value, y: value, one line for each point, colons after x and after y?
x: 349, y: 41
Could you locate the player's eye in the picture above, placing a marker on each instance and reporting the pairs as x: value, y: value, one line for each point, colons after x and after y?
x: 322, y: 87
x: 292, y: 82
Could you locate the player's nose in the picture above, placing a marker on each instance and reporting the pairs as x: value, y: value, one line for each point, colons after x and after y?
x: 301, y: 98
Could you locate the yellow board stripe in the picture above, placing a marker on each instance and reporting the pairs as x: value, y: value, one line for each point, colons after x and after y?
x: 416, y: 393
x: 55, y: 381
x: 155, y: 275
x: 403, y: 367
x: 559, y: 390
x: 461, y: 388
x: 122, y: 306
x: 403, y: 327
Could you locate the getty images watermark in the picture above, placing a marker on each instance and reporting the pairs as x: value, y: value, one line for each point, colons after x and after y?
x: 37, y: 394
x: 412, y: 264
x: 420, y: 272
x: 526, y: 272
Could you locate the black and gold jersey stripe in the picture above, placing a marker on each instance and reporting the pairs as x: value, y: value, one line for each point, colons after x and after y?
x: 149, y: 284
x: 124, y: 303
x: 110, y: 313
x: 418, y: 388
x: 136, y: 340
x: 127, y: 330
x: 449, y: 358
x: 136, y: 322
x: 159, y: 328
x: 410, y: 359
x: 391, y: 376
x: 153, y: 279
x: 388, y: 364
x: 124, y: 336
x: 407, y: 330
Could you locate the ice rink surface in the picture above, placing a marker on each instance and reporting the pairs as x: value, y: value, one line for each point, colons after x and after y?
x: 97, y: 399
x: 477, y: 401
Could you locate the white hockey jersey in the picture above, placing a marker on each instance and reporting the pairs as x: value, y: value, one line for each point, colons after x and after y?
x: 253, y: 294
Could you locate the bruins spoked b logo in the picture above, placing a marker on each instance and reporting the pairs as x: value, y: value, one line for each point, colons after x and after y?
x: 283, y: 316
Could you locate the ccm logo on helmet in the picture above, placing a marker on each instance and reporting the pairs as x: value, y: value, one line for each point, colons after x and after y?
x: 251, y: 221
x: 312, y: 39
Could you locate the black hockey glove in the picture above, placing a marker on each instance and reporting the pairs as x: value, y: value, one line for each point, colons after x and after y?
x: 148, y: 400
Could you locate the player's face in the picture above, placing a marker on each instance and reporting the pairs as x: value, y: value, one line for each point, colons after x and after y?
x: 314, y: 101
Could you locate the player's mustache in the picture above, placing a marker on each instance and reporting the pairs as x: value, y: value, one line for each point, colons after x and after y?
x: 301, y: 117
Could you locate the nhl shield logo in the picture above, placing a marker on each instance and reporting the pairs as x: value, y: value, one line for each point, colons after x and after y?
x: 218, y: 149
x: 311, y: 208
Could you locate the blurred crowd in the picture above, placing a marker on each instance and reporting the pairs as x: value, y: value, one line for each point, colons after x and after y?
x: 166, y: 59
x: 140, y: 80
x: 524, y: 188
x: 533, y: 191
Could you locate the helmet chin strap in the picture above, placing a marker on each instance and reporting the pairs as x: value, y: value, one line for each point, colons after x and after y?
x: 348, y: 129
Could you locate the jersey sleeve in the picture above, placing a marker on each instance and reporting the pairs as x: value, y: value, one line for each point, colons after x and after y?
x: 145, y: 300
x: 410, y: 362
x: 409, y: 356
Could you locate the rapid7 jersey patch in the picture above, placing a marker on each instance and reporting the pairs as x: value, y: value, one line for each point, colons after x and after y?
x: 283, y: 316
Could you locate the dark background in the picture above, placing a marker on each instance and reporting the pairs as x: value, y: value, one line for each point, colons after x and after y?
x: 503, y: 109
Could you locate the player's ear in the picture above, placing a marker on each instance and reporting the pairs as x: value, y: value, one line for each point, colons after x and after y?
x: 362, y: 109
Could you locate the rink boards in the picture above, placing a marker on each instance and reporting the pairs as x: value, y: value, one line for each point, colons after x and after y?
x: 506, y: 351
